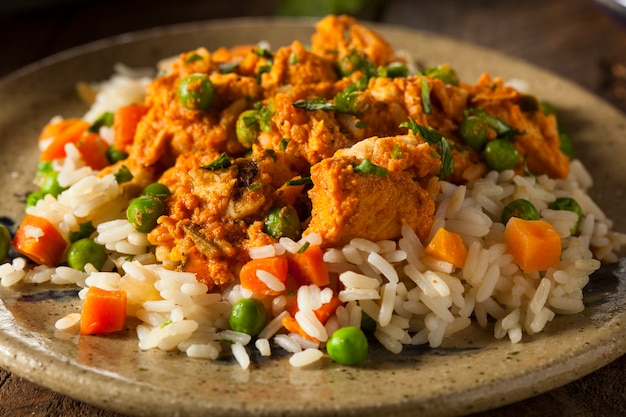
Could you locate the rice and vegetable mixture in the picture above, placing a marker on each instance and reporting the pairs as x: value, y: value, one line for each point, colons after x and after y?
x: 310, y: 199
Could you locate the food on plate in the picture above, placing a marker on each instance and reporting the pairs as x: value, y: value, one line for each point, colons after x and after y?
x: 312, y: 200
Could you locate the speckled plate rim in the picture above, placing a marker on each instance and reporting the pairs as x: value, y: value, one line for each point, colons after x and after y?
x: 420, y: 381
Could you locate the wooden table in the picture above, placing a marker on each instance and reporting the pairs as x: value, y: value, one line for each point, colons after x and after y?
x: 573, y: 38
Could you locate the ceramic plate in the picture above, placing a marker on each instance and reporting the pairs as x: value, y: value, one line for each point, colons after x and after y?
x: 471, y: 372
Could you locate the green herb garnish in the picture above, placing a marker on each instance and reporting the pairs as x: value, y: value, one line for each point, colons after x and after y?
x: 304, y: 247
x: 346, y: 100
x: 367, y: 167
x: 284, y: 142
x: 434, y: 138
x: 222, y: 162
x: 266, y: 112
x: 314, y: 104
x: 193, y: 58
x: 299, y: 181
x: 263, y: 53
x: 425, y: 95
x: 123, y: 175
x: 396, y: 153
x: 271, y: 153
x: 105, y: 119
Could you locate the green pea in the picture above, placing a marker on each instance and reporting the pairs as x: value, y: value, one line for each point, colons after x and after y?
x: 248, y: 316
x: 500, y: 155
x: 85, y: 229
x: 50, y: 183
x: 115, y: 155
x: 248, y: 128
x: 143, y: 213
x: 474, y: 131
x: 445, y: 73
x: 5, y: 242
x: 347, y: 346
x: 283, y: 222
x: 158, y: 190
x: 567, y: 203
x: 521, y: 208
x: 33, y: 198
x: 396, y: 69
x: 86, y: 251
x: 196, y: 92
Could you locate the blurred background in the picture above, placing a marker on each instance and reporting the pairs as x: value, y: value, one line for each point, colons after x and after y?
x: 582, y: 40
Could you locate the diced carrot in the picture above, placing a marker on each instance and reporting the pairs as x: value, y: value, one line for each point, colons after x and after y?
x: 62, y: 133
x: 39, y: 240
x: 125, y: 123
x: 309, y: 267
x: 534, y: 244
x: 326, y: 310
x: 292, y: 304
x: 292, y: 325
x: 93, y: 149
x: 275, y: 265
x: 196, y: 263
x: 447, y: 246
x: 323, y: 313
x: 103, y: 311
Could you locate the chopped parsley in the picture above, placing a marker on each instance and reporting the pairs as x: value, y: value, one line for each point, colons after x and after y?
x: 344, y: 102
x: 123, y: 175
x: 293, y: 59
x: 299, y: 181
x: 360, y: 124
x: 314, y: 104
x: 434, y: 138
x: 304, y: 247
x: 396, y: 153
x: 356, y: 61
x: 271, y: 153
x: 367, y: 167
x: 425, y: 95
x: 262, y: 70
x: 193, y: 58
x: 284, y: 142
x: 503, y: 130
x: 264, y: 53
x: 266, y: 112
x: 105, y: 119
x: 222, y: 162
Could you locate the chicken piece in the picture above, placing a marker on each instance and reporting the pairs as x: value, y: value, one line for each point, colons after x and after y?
x: 397, y: 153
x: 337, y: 37
x: 348, y: 204
x: 215, y: 214
x: 294, y: 65
x: 169, y: 129
x: 538, y: 141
